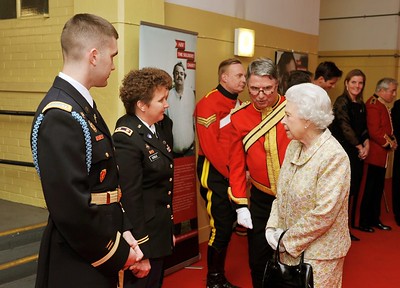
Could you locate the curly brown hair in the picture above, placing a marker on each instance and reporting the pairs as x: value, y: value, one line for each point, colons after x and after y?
x: 139, y: 85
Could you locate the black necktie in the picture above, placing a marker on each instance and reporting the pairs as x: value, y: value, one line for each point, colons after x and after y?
x: 155, y: 132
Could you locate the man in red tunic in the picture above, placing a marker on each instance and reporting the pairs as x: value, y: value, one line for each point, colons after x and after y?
x: 258, y: 147
x: 382, y: 141
x: 213, y: 131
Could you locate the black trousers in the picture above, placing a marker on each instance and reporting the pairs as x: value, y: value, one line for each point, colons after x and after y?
x: 214, y: 191
x: 370, y: 210
x: 396, y: 185
x: 259, y: 249
x: 357, y: 167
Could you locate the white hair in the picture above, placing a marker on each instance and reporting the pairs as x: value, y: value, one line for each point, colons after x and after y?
x: 313, y: 104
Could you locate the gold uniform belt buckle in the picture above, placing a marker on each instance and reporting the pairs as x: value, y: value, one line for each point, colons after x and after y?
x: 105, y: 198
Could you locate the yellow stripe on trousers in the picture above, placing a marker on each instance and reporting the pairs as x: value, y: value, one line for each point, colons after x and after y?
x: 204, y: 177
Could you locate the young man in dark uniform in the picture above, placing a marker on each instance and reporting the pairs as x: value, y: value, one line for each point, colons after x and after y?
x: 86, y: 242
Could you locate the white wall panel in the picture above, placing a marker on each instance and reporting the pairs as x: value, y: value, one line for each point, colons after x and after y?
x: 296, y: 15
x: 342, y: 8
x: 370, y: 32
x: 359, y: 34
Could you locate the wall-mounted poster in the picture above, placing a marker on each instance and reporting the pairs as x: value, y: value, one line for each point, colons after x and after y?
x: 174, y: 50
x: 287, y: 62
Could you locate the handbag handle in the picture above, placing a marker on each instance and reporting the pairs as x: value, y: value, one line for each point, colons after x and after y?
x: 277, y: 256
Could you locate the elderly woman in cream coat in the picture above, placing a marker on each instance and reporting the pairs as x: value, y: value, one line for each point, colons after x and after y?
x: 313, y: 189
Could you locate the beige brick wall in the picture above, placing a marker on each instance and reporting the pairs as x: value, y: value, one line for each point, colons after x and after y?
x: 30, y: 57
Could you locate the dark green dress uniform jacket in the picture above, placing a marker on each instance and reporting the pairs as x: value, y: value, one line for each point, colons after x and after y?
x: 146, y: 178
x: 82, y: 245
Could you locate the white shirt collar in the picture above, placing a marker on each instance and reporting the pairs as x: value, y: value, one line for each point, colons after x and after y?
x: 152, y: 127
x: 78, y: 86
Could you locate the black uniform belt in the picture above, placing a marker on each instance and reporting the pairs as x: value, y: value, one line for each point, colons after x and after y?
x: 104, y: 198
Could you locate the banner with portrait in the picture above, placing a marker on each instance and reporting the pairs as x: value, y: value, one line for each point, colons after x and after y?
x: 174, y: 50
x: 286, y: 63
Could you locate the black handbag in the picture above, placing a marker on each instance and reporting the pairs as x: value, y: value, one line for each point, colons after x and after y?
x: 280, y: 275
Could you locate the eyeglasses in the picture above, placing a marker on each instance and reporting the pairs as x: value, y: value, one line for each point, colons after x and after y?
x: 265, y: 90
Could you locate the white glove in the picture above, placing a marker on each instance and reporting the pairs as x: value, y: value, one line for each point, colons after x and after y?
x: 244, y: 217
x: 272, y: 235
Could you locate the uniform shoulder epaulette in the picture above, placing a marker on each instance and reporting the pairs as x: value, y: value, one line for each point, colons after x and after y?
x: 208, y: 94
x: 123, y: 129
x: 57, y: 105
x: 243, y: 105
x: 78, y: 117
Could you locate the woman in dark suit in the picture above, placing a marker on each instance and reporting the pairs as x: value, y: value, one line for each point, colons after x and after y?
x: 143, y: 150
x: 350, y: 128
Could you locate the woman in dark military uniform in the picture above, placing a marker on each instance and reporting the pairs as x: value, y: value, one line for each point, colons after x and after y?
x: 145, y: 160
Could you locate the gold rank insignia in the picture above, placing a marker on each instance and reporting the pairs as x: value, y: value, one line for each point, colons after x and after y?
x: 125, y: 130
x: 206, y: 122
x: 92, y: 126
x: 103, y: 174
x: 95, y: 117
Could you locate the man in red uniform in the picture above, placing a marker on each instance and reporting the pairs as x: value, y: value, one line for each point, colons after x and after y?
x: 213, y: 131
x: 395, y: 113
x: 258, y: 146
x: 381, y: 141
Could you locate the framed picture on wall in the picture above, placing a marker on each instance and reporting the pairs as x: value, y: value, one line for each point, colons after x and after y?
x: 300, y: 59
x: 287, y: 61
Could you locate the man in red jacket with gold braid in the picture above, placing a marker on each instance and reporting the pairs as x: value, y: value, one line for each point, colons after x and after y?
x: 258, y: 147
x: 381, y: 141
x: 213, y: 131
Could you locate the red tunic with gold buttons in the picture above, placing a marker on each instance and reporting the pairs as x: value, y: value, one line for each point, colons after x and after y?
x: 263, y: 159
x: 380, y: 130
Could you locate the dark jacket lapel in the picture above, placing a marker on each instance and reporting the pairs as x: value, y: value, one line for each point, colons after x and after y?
x: 150, y: 138
x: 81, y: 101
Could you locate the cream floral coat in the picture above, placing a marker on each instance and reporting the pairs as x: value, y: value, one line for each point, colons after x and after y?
x: 312, y: 200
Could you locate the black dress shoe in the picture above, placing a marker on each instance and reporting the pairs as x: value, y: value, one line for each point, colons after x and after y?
x: 366, y: 229
x: 383, y: 227
x: 354, y: 238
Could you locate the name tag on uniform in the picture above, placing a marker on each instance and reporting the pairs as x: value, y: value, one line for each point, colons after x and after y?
x: 154, y: 157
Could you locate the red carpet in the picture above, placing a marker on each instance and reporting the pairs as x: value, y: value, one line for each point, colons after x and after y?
x: 373, y: 261
x: 370, y: 263
x: 237, y: 268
